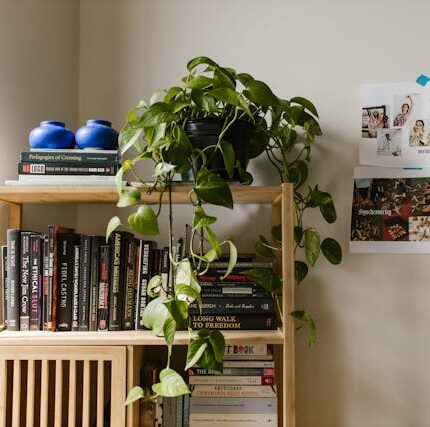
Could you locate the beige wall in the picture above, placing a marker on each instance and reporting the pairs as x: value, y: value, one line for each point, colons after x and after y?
x: 370, y: 364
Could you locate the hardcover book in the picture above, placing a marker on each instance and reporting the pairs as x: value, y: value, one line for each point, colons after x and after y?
x: 13, y: 278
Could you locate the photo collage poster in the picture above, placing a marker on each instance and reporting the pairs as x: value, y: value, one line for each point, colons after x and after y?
x: 390, y: 210
x: 395, y: 125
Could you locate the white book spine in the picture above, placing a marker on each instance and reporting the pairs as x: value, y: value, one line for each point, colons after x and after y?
x: 233, y: 379
x: 246, y: 349
x: 233, y: 420
x: 233, y: 391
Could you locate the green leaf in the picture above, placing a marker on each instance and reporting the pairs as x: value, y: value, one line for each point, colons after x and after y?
x: 212, y: 189
x: 171, y: 384
x: 162, y: 169
x: 217, y: 341
x: 196, y: 348
x: 228, y: 156
x: 144, y: 221
x: 187, y: 293
x: 328, y: 211
x: 232, y: 260
x: 169, y: 330
x: 298, y: 173
x: 114, y: 222
x: 155, y: 286
x: 277, y: 233
x: 200, y: 218
x: 195, y: 62
x: 259, y: 93
x: 179, y: 311
x: 300, y: 271
x: 222, y: 79
x: 155, y: 315
x: 183, y: 272
x: 209, y: 361
x: 129, y: 135
x: 312, y: 245
x: 267, y: 279
x: 306, y: 318
x: 225, y: 95
x: 155, y: 96
x: 213, y: 241
x: 199, y: 82
x: 129, y: 196
x: 211, y: 255
x: 305, y: 103
x: 298, y: 234
x: 119, y: 181
x: 263, y: 249
x: 134, y: 394
x: 259, y: 141
x: 171, y: 93
x: 156, y: 114
x: 331, y: 250
x: 245, y: 78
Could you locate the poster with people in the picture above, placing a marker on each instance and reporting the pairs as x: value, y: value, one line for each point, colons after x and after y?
x: 395, y: 125
x: 390, y: 210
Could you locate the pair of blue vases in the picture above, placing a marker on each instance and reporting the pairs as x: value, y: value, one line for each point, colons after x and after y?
x: 96, y: 134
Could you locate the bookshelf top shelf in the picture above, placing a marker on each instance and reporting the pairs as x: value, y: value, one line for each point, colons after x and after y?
x: 128, y: 338
x: 58, y: 194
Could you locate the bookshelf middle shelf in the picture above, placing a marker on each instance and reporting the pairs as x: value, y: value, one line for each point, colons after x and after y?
x: 144, y: 338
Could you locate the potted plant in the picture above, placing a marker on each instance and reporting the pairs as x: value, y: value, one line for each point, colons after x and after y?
x: 219, y: 100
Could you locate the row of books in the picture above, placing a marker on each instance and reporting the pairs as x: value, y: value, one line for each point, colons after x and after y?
x: 66, y: 281
x: 243, y: 395
x: 62, y: 167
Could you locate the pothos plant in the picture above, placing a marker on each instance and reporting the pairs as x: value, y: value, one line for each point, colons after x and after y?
x: 156, y: 132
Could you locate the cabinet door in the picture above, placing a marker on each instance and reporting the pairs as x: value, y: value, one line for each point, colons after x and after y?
x: 62, y: 386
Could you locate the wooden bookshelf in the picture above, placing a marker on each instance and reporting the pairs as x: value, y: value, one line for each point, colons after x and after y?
x: 27, y: 346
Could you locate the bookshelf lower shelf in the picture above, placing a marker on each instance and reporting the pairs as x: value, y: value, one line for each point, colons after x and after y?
x: 133, y: 338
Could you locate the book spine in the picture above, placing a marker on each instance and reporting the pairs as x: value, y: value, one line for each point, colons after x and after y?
x: 76, y: 281
x: 84, y: 288
x: 231, y: 380
x: 103, y: 303
x: 46, y: 283
x: 65, y: 285
x: 145, y: 267
x: 129, y: 289
x: 115, y: 297
x: 52, y: 289
x: 24, y: 298
x: 246, y: 350
x: 239, y: 322
x: 73, y: 157
x: 4, y: 283
x: 233, y: 391
x: 232, y: 290
x: 234, y: 306
x: 179, y: 412
x: 36, y: 282
x: 186, y: 411
x: 233, y: 420
x: 164, y: 269
x: 13, y: 278
x: 217, y: 277
x: 94, y: 282
x: 240, y: 363
x: 225, y: 405
x: 263, y: 372
x: 25, y: 168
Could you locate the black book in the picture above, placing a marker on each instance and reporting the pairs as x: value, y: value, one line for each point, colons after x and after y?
x: 129, y: 305
x: 4, y: 282
x: 118, y: 242
x: 76, y: 285
x: 24, y: 297
x: 145, y: 273
x: 36, y: 281
x: 46, y: 308
x: 233, y: 322
x: 104, y: 279
x: 234, y: 306
x: 84, y: 288
x: 70, y: 156
x: 65, y: 281
x: 13, y: 278
x: 164, y: 269
x: 105, y: 169
x: 94, y: 281
x: 232, y: 290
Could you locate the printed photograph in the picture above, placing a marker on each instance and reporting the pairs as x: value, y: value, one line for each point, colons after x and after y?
x: 407, y: 108
x: 419, y: 228
x: 418, y: 133
x: 389, y: 142
x: 372, y: 119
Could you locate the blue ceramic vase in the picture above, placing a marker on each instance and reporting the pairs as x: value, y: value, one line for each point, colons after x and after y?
x: 51, y: 134
x: 97, y: 134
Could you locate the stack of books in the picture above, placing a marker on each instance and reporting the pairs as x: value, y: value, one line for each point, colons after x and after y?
x: 234, y: 302
x: 244, y: 394
x: 67, y: 167
x: 71, y: 282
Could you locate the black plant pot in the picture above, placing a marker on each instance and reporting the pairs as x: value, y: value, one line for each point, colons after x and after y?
x: 205, y: 132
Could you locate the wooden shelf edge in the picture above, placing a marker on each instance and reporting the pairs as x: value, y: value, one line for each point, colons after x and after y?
x: 144, y: 338
x: 58, y: 194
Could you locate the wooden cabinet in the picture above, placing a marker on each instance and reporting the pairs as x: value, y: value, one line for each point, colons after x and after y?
x: 72, y: 375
